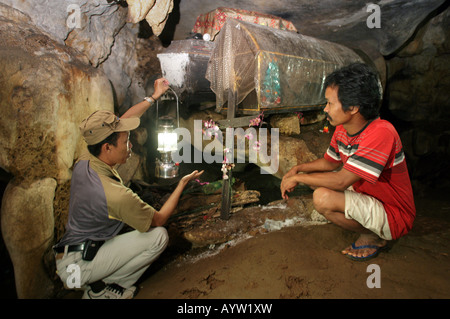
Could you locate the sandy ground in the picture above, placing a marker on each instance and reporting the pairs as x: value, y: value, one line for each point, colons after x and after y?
x: 305, y: 262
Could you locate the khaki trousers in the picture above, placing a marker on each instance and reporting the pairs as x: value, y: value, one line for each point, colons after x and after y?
x: 120, y: 260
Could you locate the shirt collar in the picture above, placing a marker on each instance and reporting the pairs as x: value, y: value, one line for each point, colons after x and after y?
x: 102, y: 168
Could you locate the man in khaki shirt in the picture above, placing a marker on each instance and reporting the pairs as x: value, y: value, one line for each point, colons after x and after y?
x: 100, y: 205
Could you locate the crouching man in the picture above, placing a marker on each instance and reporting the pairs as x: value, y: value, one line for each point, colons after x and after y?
x: 362, y: 182
x: 110, y: 263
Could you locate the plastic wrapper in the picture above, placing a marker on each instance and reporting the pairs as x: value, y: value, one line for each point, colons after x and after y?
x: 184, y: 65
x: 265, y: 69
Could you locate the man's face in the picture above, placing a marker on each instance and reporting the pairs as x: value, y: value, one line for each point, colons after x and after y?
x: 122, y: 151
x: 333, y: 110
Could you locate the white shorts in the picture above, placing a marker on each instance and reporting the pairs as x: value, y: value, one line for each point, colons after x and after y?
x: 368, y: 211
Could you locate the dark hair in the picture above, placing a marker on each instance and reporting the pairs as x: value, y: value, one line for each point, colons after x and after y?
x: 97, y: 148
x: 358, y: 85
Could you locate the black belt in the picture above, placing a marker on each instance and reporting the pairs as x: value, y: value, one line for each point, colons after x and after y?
x: 70, y: 248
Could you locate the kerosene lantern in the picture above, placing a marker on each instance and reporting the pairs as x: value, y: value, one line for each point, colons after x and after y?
x: 167, y: 143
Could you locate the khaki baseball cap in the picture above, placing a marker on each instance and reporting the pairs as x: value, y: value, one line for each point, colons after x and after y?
x: 100, y: 124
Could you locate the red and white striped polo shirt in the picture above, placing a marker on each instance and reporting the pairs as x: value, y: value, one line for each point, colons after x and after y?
x: 376, y: 155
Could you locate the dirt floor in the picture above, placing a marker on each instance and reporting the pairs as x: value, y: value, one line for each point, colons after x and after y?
x: 305, y: 262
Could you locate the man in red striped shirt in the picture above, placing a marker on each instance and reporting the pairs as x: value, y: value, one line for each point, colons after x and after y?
x: 362, y: 182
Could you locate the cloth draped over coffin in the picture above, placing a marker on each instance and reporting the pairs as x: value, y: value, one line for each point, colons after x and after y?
x: 266, y: 68
x: 213, y: 21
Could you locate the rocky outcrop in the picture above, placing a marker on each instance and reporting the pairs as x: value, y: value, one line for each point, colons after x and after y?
x: 42, y: 84
x: 154, y: 12
x: 54, y: 71
x: 351, y: 23
x: 287, y: 124
x: 47, y: 89
x: 99, y: 31
x: 27, y: 228
x: 418, y: 98
x: 419, y: 74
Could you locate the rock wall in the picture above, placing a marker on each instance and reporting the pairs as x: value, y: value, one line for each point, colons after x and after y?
x: 56, y: 68
x: 43, y: 84
x: 418, y: 101
x: 105, y: 32
x: 47, y: 89
x: 27, y: 228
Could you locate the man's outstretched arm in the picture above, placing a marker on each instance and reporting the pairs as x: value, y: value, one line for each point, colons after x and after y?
x: 160, y: 217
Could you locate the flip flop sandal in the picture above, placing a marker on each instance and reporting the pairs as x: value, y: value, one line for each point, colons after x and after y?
x: 378, y: 249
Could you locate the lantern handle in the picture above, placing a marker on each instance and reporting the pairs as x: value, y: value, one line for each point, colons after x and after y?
x: 178, y: 110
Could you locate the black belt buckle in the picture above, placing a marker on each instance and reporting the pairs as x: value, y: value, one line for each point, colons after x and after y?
x: 90, y: 249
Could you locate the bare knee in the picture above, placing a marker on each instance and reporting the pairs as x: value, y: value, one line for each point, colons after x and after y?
x: 321, y: 199
x: 329, y: 202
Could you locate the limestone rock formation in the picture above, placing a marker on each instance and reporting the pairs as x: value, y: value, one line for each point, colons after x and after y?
x: 42, y: 84
x: 27, y: 227
x: 288, y: 124
x: 138, y: 9
x: 418, y: 95
x: 52, y: 75
x: 46, y: 90
x: 155, y: 12
x: 99, y: 31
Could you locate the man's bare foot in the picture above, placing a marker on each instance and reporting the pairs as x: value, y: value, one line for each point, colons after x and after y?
x: 367, y: 245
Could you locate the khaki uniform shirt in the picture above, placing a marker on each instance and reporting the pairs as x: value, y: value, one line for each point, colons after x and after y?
x: 100, y: 204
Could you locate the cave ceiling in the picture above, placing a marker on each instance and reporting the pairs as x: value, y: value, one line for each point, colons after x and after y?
x: 339, y: 21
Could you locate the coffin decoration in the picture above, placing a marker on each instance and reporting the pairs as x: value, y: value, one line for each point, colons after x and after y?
x: 212, y: 22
